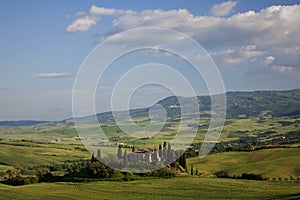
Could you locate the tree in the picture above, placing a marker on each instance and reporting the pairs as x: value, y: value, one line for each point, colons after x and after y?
x: 10, y: 173
x: 125, y: 159
x: 173, y: 155
x: 93, y: 158
x: 120, y: 152
x: 182, y: 161
x: 98, y: 155
x: 169, y: 153
x: 98, y: 170
x: 165, y: 153
x: 160, y: 151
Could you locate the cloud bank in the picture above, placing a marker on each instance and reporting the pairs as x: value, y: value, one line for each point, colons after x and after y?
x: 269, y: 37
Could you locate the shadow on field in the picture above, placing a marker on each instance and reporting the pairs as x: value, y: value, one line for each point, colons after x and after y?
x: 289, y: 196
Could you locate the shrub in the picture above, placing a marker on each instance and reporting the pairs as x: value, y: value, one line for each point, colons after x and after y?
x: 252, y: 176
x: 19, y: 180
x: 222, y: 174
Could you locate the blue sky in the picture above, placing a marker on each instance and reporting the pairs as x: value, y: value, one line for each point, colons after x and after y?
x: 255, y: 45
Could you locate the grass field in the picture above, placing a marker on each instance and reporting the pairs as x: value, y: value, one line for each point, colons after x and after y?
x: 30, y: 146
x: 27, y: 156
x: 253, y: 127
x: 176, y: 188
x: 279, y: 162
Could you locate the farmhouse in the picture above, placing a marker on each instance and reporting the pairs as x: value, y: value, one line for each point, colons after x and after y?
x: 143, y: 156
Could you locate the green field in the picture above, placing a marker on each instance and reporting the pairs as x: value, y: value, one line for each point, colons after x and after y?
x: 32, y: 146
x: 236, y: 128
x: 27, y: 156
x: 176, y: 188
x: 29, y: 146
x: 272, y: 163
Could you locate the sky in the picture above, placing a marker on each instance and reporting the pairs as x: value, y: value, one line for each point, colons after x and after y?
x: 255, y: 45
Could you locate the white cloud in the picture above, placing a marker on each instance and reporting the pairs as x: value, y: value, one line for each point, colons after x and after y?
x: 53, y: 75
x: 85, y: 20
x: 248, y: 36
x: 102, y: 11
x: 269, y: 60
x: 82, y: 24
x: 237, y: 55
x: 282, y: 69
x: 223, y: 9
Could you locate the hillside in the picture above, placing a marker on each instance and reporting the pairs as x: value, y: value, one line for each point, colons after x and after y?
x: 252, y: 104
x: 279, y: 103
x: 239, y: 104
x: 284, y: 103
x: 21, y: 123
x: 271, y: 163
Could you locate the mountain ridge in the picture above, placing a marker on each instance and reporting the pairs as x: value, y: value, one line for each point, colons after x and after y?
x: 278, y: 103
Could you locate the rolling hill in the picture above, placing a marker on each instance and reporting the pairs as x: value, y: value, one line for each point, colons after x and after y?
x: 246, y: 104
x: 284, y: 103
x: 21, y: 123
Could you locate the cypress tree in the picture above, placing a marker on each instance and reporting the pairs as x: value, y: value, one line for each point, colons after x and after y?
x: 165, y: 156
x: 180, y: 160
x: 169, y: 153
x: 160, y: 151
x: 98, y: 155
x: 119, y: 152
x: 93, y: 158
x: 125, y: 158
x: 165, y: 144
x: 173, y: 159
x: 183, y: 161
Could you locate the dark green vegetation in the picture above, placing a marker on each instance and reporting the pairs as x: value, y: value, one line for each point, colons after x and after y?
x: 175, y: 188
x: 279, y: 103
x: 75, y: 171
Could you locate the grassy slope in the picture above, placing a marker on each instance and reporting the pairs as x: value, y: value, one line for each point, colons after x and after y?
x: 27, y: 156
x: 176, y: 188
x: 38, y: 132
x: 267, y: 162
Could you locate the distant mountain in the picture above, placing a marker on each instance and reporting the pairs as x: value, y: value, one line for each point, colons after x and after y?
x: 21, y: 123
x: 247, y: 104
x: 239, y: 104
